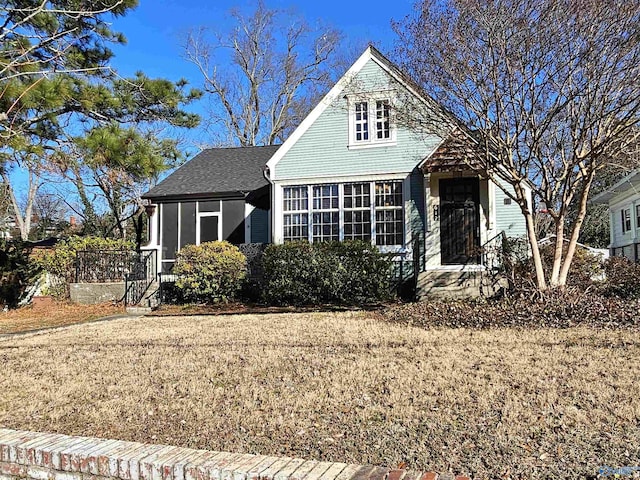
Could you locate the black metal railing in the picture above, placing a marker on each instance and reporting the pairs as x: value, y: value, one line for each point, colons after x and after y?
x: 491, y: 252
x: 405, y: 269
x: 140, y: 277
x: 99, y: 266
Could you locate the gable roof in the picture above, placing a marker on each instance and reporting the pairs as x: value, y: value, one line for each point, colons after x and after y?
x: 630, y: 182
x: 216, y: 172
x: 371, y: 53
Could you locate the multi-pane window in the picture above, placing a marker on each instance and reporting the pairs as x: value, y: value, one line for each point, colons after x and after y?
x: 326, y: 214
x: 351, y: 211
x: 296, y: 215
x: 625, y: 216
x: 638, y: 217
x: 389, y: 213
x: 362, y: 122
x: 357, y: 211
x: 383, y: 115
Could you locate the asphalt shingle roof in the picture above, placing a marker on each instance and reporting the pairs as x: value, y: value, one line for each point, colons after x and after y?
x: 217, y: 171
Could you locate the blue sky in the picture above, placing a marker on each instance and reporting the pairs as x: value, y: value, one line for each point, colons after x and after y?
x: 156, y: 29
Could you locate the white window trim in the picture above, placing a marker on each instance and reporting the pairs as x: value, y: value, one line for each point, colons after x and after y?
x: 199, y: 215
x: 371, y: 100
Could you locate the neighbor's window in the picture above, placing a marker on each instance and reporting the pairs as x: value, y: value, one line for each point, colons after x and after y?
x: 326, y: 214
x: 357, y: 211
x: 625, y: 215
x: 389, y: 213
x: 637, y: 216
x: 296, y: 213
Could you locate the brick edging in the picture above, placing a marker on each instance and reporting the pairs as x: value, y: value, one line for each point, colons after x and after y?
x: 43, y: 456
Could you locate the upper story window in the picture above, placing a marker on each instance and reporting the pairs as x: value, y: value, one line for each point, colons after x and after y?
x: 638, y: 217
x: 370, y: 122
x: 383, y: 120
x: 625, y: 216
x: 362, y: 122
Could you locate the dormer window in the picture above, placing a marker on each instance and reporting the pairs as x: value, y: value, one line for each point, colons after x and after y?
x: 370, y: 122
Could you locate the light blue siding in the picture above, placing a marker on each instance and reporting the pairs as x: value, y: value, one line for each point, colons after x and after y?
x: 509, y: 217
x: 416, y: 212
x: 323, y: 151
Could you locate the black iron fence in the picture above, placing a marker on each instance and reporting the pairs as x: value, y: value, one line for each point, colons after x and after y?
x: 100, y: 266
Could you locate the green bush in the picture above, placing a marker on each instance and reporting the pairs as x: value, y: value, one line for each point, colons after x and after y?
x: 622, y: 278
x: 17, y: 271
x: 210, y: 272
x: 59, y: 263
x: 347, y: 273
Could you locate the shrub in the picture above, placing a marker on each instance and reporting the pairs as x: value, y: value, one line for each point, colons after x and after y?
x: 622, y: 278
x: 347, y: 273
x: 60, y: 262
x: 210, y: 272
x: 17, y: 271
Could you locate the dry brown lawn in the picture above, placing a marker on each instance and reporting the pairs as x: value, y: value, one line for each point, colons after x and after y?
x: 502, y: 403
x: 57, y: 314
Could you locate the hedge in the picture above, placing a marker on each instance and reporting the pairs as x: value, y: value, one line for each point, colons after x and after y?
x: 343, y: 273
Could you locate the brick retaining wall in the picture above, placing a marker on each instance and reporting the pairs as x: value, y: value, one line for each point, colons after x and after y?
x: 41, y: 456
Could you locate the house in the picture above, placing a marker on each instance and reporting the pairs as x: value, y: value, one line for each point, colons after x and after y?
x: 353, y: 170
x: 220, y: 194
x: 623, y: 199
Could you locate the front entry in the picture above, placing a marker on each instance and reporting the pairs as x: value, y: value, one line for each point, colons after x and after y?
x: 459, y: 220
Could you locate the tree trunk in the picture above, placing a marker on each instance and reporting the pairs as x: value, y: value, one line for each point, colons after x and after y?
x: 575, y: 233
x: 24, y: 223
x: 557, y: 252
x: 535, y: 251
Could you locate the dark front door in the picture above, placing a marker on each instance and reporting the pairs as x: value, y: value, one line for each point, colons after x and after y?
x: 459, y: 220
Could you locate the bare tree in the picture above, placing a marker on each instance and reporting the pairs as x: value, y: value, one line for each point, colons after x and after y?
x: 549, y: 90
x: 23, y: 208
x: 265, y: 75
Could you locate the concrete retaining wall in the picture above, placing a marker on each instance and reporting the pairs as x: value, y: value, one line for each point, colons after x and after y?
x: 90, y: 293
x: 38, y: 456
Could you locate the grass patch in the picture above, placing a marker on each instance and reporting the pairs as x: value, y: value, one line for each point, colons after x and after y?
x: 505, y: 402
x: 57, y: 314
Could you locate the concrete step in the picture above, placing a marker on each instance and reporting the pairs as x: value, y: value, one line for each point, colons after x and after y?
x: 447, y: 284
x: 138, y: 310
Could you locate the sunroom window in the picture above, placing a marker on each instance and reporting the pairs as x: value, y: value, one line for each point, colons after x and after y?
x: 296, y: 213
x: 368, y: 211
x: 357, y: 211
x: 325, y: 213
x: 389, y: 213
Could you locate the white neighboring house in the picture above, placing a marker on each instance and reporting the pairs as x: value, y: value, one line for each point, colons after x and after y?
x: 7, y: 224
x: 623, y: 199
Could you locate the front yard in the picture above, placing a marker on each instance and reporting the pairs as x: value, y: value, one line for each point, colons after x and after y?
x: 348, y: 387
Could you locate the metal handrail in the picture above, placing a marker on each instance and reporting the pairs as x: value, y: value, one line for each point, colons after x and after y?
x: 492, y: 261
x: 140, y: 278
